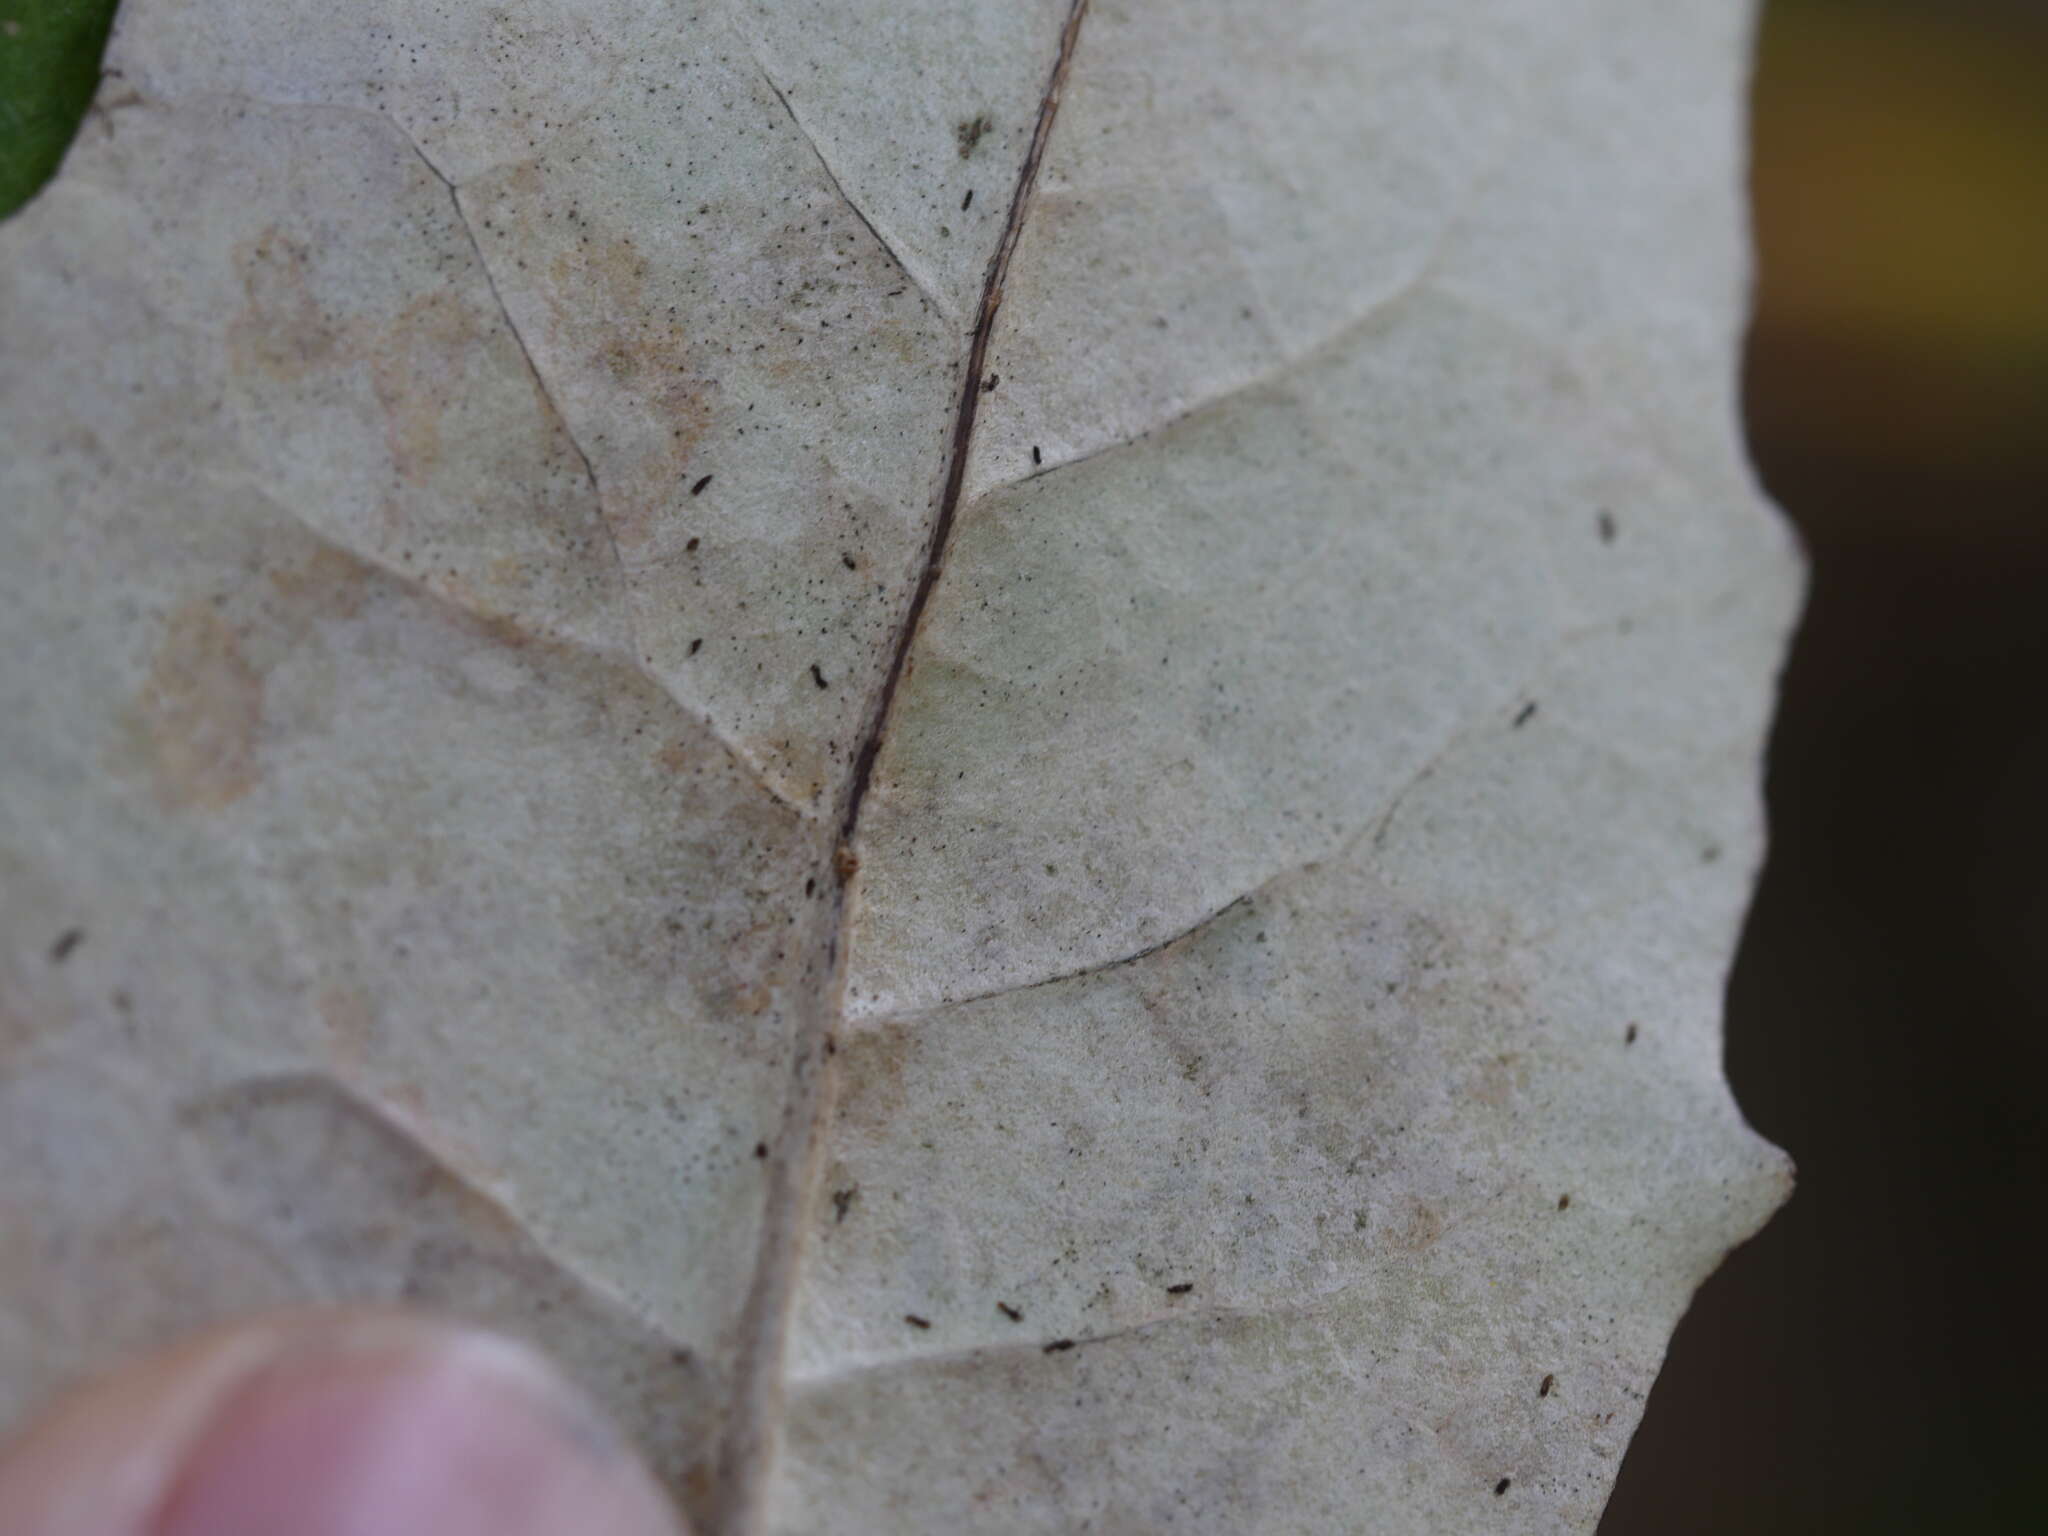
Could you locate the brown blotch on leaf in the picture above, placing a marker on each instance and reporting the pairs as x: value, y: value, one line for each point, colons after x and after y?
x: 419, y: 367
x: 602, y: 307
x: 200, y: 712
x: 281, y: 333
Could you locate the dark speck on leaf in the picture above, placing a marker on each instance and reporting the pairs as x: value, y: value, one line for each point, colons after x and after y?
x: 1548, y: 1382
x: 694, y: 542
x: 1525, y: 714
x: 1182, y: 1289
x: 818, y: 677
x: 988, y: 385
x: 698, y: 488
x: 842, y: 1202
x: 1564, y: 1202
x: 849, y: 562
x: 967, y: 201
x: 1036, y: 456
x: 1629, y: 1035
x: 1501, y: 1487
x: 968, y: 134
x: 1010, y: 1312
x: 915, y: 1321
x: 67, y: 941
x: 1057, y: 1345
x: 1606, y: 523
x: 696, y: 646
x: 761, y: 1149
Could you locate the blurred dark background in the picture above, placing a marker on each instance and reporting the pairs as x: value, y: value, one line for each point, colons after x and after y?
x: 1874, y: 1360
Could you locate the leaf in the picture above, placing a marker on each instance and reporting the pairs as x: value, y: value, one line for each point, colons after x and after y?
x: 49, y: 63
x: 1006, y: 754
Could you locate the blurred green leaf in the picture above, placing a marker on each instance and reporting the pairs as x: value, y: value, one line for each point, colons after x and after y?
x: 49, y: 64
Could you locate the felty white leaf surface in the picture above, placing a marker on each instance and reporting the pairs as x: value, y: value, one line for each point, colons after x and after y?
x: 1007, y: 753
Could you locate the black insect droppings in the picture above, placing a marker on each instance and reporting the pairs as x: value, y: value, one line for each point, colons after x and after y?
x: 1548, y: 1382
x: 1501, y: 1487
x: 1036, y: 456
x: 849, y: 562
x: 1607, y: 530
x: 818, y: 677
x: 696, y: 646
x: 761, y: 1149
x: 811, y: 886
x: 1182, y: 1289
x: 1628, y: 1036
x: 1058, y: 1345
x: 842, y: 1202
x: 1564, y: 1202
x: 1525, y: 714
x: 915, y: 1321
x: 1010, y: 1312
x: 967, y: 201
x: 698, y: 488
x: 694, y: 541
x: 67, y: 941
x: 988, y: 385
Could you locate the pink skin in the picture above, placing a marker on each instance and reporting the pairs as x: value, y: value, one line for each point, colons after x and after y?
x: 329, y: 1424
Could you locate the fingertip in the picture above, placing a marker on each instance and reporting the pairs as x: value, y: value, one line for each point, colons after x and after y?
x: 330, y: 1424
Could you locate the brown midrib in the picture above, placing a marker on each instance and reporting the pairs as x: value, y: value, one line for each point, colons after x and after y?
x: 744, y: 1457
x: 971, y: 392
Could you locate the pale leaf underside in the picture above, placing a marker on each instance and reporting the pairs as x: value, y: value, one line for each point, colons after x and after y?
x: 1005, y: 752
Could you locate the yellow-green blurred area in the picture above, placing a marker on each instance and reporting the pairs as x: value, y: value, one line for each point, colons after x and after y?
x: 1901, y: 195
